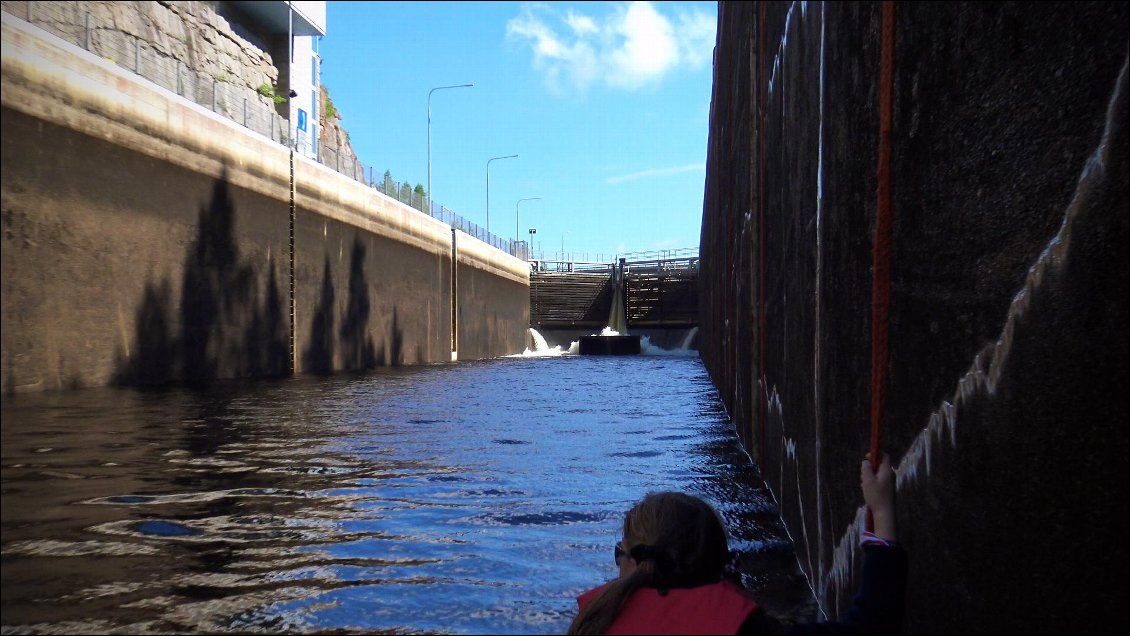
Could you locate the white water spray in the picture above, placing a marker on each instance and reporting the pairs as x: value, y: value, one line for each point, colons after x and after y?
x: 686, y: 345
x: 539, y: 341
x: 543, y: 350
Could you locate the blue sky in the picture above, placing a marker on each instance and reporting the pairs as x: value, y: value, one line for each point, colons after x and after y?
x: 606, y: 104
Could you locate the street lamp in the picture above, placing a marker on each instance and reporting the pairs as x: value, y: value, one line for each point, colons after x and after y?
x: 533, y: 285
x: 488, y: 192
x: 430, y: 136
x: 516, y: 226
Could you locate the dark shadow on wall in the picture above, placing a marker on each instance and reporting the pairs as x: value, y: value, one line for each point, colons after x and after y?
x: 266, y: 335
x: 152, y: 360
x: 357, y: 345
x: 208, y: 266
x: 318, y: 358
x: 155, y: 358
x: 223, y: 331
x: 391, y: 351
x: 395, y: 341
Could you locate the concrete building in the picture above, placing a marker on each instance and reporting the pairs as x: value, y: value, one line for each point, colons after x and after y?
x: 268, y: 24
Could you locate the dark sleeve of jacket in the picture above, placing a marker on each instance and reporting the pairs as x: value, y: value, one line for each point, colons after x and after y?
x: 877, y: 609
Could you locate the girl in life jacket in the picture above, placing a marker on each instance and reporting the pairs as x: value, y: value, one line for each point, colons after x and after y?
x: 673, y: 574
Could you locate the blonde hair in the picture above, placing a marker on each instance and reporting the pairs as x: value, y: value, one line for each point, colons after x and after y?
x: 677, y: 540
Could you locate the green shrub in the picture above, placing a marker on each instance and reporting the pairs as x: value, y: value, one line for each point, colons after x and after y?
x: 266, y: 90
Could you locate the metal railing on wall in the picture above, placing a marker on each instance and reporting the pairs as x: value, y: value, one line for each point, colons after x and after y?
x: 661, y: 255
x: 252, y: 109
x: 664, y: 260
x: 569, y: 259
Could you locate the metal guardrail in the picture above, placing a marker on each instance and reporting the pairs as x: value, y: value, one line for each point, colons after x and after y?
x: 666, y: 265
x: 543, y: 265
x: 663, y: 265
x: 661, y: 255
x: 573, y: 257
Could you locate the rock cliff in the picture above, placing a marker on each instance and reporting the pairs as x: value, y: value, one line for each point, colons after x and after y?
x: 205, y: 51
x: 334, y: 147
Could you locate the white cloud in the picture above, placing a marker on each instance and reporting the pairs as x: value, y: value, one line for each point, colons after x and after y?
x: 696, y: 38
x: 576, y: 61
x: 646, y: 48
x: 636, y: 45
x: 656, y: 172
x: 582, y: 25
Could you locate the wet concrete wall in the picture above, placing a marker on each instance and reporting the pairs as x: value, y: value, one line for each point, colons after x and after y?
x: 492, y: 302
x: 1007, y: 408
x: 148, y: 241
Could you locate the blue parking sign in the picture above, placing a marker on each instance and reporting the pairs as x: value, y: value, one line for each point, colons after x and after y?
x: 302, y: 120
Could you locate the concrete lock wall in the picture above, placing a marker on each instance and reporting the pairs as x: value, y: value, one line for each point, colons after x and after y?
x: 494, y: 300
x: 1007, y: 403
x: 147, y: 240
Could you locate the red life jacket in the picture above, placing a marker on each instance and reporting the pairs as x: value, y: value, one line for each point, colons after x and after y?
x: 718, y: 608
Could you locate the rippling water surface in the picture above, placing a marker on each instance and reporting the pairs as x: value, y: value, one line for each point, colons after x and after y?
x: 469, y: 498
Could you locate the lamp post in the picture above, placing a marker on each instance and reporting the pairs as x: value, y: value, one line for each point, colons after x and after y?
x: 488, y: 192
x: 516, y: 226
x: 530, y: 257
x: 292, y: 305
x: 290, y: 74
x: 430, y: 136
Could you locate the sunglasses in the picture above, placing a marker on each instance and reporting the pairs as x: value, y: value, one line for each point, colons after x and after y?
x: 619, y: 553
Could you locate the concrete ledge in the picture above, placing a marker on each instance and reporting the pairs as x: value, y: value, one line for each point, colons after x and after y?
x: 58, y: 82
x: 477, y: 254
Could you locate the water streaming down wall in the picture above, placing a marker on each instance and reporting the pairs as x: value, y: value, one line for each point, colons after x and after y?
x: 1007, y: 412
x: 617, y: 315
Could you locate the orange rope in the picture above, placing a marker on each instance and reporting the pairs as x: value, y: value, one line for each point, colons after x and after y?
x: 881, y: 256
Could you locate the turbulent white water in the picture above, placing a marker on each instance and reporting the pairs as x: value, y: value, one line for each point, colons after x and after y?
x: 543, y: 350
x: 539, y: 341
